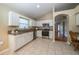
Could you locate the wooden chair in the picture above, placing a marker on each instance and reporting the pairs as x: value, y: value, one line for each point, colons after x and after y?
x: 74, y: 40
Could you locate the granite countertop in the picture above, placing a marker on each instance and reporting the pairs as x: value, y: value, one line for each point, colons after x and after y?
x: 21, y: 31
x: 49, y: 30
x: 18, y: 32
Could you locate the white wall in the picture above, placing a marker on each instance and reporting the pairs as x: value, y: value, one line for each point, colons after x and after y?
x: 71, y: 19
x: 4, y: 27
x: 47, y: 18
x: 40, y: 22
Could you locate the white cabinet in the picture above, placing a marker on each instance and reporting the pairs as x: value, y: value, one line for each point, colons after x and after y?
x: 32, y: 22
x: 17, y: 41
x: 77, y: 19
x: 39, y: 33
x: 13, y: 19
x: 51, y: 34
x: 28, y: 37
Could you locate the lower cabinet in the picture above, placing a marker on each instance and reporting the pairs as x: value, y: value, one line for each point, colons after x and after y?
x: 51, y: 34
x: 17, y: 41
x: 39, y: 33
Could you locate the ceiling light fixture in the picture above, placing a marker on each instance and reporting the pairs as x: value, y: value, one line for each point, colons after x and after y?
x: 38, y: 6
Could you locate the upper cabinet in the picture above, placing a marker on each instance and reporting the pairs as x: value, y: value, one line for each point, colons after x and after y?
x: 13, y: 19
x: 32, y: 22
x: 77, y: 19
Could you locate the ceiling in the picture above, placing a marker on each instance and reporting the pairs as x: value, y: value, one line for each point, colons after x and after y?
x: 30, y: 9
x: 65, y: 6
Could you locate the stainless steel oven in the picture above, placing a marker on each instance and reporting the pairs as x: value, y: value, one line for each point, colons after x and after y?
x: 45, y: 29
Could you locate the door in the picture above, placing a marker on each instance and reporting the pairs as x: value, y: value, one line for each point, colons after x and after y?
x: 60, y: 31
x: 61, y: 28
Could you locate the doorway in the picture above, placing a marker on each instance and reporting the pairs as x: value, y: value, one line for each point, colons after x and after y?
x: 61, y: 27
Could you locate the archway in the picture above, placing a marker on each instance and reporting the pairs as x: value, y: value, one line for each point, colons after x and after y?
x: 61, y: 27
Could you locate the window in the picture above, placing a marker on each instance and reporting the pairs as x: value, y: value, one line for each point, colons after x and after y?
x: 23, y: 23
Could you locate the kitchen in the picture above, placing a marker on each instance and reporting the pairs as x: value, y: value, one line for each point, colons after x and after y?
x: 31, y: 30
x: 22, y: 30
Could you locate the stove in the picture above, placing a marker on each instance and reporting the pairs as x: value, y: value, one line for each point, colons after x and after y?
x: 45, y: 30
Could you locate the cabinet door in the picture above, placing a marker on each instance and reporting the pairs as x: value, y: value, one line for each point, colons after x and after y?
x: 51, y: 34
x: 23, y: 39
x: 13, y: 19
x: 28, y: 36
x: 77, y: 19
x: 39, y: 33
x: 19, y: 41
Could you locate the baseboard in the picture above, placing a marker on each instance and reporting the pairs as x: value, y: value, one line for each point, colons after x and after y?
x: 4, y: 51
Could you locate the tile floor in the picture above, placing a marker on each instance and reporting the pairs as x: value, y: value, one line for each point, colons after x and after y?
x: 46, y: 47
